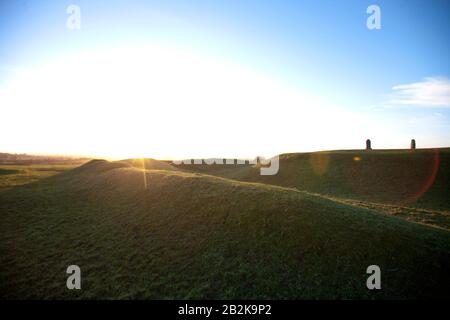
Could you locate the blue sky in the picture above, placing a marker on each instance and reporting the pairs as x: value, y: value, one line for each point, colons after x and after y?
x: 321, y: 47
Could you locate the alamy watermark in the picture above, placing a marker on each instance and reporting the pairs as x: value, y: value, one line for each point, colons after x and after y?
x: 267, y: 167
x: 74, y: 20
x: 374, y: 281
x: 374, y: 20
x: 74, y: 280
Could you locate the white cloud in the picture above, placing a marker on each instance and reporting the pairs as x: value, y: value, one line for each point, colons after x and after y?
x: 431, y: 92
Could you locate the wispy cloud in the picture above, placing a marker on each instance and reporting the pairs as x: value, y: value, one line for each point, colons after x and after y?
x: 431, y: 92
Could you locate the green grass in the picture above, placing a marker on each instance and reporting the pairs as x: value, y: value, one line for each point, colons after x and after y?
x: 16, y: 175
x: 192, y: 235
x: 8, y: 171
x: 394, y: 180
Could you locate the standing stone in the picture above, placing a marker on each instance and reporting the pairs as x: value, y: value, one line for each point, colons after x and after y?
x: 413, y: 144
x: 368, y: 145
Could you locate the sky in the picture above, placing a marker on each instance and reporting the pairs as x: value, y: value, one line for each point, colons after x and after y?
x: 236, y: 78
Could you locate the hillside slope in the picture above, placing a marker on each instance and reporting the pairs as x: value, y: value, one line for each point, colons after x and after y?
x: 173, y: 234
x: 419, y: 178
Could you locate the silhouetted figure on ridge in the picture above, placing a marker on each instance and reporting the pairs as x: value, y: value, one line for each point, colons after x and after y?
x: 413, y: 144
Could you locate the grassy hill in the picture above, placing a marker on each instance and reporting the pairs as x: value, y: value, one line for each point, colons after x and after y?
x: 165, y: 233
x: 419, y: 178
x: 16, y: 175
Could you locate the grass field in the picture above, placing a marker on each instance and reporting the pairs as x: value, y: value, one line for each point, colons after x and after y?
x: 222, y: 232
x: 411, y: 185
x: 16, y: 175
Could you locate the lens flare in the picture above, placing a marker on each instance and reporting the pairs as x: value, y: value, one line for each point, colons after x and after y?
x: 319, y: 162
x: 398, y: 178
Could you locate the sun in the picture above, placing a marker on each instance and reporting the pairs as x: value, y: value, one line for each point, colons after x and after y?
x: 160, y: 102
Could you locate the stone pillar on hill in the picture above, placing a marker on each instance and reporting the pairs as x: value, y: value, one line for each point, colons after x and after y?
x: 368, y: 145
